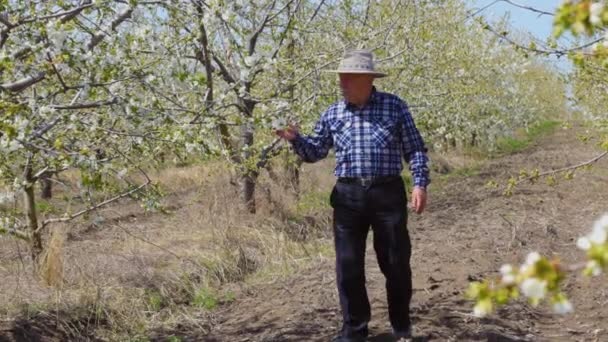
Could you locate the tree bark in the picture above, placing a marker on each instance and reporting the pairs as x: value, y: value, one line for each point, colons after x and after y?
x: 249, y: 175
x: 47, y: 187
x: 30, y: 211
x: 293, y: 175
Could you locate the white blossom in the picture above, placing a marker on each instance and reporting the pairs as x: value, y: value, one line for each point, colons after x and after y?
x: 602, y: 223
x: 508, y: 274
x: 583, y: 243
x: 56, y: 35
x: 595, y: 267
x: 532, y: 258
x: 279, y: 123
x: 7, y: 197
x: 534, y: 288
x: 190, y: 147
x: 595, y: 13
x: 251, y: 60
x: 482, y: 309
x: 598, y: 235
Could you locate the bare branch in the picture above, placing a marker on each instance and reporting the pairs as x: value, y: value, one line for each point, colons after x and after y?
x: 86, y: 105
x: 529, y: 8
x: 223, y: 71
x: 95, y: 207
x: 48, y: 171
x: 555, y: 52
x: 100, y: 35
x: 21, y: 53
x: 75, y: 12
x: 267, y: 153
x: 312, y: 17
x: 23, y: 83
x: 50, y: 59
x: 16, y: 233
x: 205, y: 59
x: 567, y: 168
x: 4, y: 20
x: 46, y: 128
x: 70, y: 13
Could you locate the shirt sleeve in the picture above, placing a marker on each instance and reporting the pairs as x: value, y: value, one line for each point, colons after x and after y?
x: 316, y: 146
x: 414, y: 150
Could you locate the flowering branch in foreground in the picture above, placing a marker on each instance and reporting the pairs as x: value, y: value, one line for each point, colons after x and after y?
x: 540, y: 278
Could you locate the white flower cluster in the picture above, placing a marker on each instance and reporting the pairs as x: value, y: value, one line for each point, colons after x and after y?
x: 7, y: 197
x: 595, y: 13
x: 532, y: 279
x: 597, y: 237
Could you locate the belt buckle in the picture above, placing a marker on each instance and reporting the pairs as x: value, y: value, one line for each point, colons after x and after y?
x: 366, y: 181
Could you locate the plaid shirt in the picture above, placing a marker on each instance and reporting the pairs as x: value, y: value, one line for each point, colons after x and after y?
x: 368, y: 142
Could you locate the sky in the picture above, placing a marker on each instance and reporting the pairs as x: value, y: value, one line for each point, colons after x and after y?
x: 540, y: 26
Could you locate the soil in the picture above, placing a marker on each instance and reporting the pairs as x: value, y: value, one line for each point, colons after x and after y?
x: 467, y: 232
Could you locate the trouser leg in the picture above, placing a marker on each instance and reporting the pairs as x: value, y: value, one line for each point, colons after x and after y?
x: 351, y: 226
x: 393, y: 249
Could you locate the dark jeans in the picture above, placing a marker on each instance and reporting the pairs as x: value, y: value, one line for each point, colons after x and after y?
x: 383, y: 207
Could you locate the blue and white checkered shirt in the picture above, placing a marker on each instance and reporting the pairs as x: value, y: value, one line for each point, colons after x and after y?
x: 368, y: 141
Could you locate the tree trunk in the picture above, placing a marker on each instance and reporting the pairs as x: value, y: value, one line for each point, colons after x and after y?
x: 293, y: 175
x: 248, y: 177
x: 47, y: 186
x: 293, y: 166
x: 30, y: 211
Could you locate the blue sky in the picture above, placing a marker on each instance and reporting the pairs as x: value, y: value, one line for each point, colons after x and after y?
x: 540, y: 26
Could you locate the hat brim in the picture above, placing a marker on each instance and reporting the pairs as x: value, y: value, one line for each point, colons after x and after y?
x: 362, y: 72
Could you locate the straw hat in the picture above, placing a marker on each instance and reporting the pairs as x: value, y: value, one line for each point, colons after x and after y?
x: 358, y: 62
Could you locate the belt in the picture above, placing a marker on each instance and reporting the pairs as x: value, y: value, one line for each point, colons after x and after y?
x: 368, y: 181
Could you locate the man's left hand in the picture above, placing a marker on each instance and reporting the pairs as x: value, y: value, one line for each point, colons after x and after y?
x: 418, y: 199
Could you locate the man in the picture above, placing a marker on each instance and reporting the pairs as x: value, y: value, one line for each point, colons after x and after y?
x: 370, y: 131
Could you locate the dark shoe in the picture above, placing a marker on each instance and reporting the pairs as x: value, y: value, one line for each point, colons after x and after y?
x: 404, y: 336
x: 341, y: 338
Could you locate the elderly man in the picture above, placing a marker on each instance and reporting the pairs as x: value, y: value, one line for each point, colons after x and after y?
x: 370, y: 131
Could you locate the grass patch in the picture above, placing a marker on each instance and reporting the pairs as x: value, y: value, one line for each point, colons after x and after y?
x: 440, y: 180
x: 312, y: 201
x: 523, y: 139
x: 205, y: 298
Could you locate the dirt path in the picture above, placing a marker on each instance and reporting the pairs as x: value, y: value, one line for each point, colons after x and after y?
x: 467, y: 233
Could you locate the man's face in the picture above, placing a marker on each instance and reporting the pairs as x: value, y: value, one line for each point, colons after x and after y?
x: 355, y: 86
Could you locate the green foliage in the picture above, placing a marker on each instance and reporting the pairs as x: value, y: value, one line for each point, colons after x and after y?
x: 45, y: 207
x: 510, y: 145
x: 205, y: 298
x: 312, y: 201
x: 154, y: 300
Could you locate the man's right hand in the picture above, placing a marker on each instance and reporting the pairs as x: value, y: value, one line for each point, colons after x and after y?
x: 289, y: 133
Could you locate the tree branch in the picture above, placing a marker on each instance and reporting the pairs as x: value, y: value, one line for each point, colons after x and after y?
x: 266, y: 153
x: 529, y: 8
x: 558, y: 53
x: 100, y: 35
x: 76, y: 11
x: 86, y: 105
x: 223, y: 71
x: 23, y: 83
x: 254, y: 37
x: 16, y: 233
x: 567, y: 168
x: 95, y: 207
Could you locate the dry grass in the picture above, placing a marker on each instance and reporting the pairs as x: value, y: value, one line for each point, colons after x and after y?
x: 121, y: 272
x: 51, y: 261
